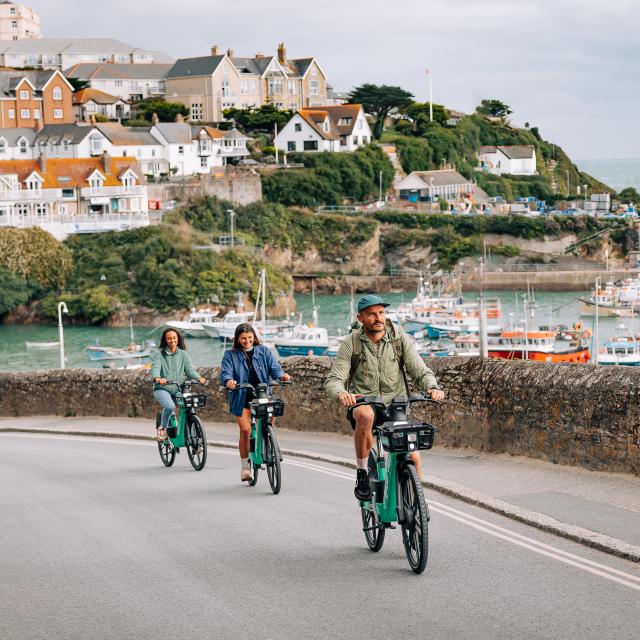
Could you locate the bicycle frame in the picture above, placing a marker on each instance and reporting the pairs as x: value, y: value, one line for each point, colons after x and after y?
x: 255, y: 441
x: 180, y: 439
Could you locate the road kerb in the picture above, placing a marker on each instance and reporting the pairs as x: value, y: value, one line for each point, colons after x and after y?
x: 586, y: 537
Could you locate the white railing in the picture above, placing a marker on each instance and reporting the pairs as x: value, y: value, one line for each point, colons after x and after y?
x: 16, y: 220
x: 105, y: 192
x: 234, y: 151
x: 31, y: 195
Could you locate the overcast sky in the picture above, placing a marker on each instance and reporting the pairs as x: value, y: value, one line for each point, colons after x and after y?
x: 569, y: 67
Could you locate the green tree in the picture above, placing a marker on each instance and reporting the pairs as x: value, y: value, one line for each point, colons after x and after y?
x: 495, y: 108
x: 629, y: 195
x: 259, y: 119
x: 379, y: 100
x: 13, y: 292
x: 166, y: 111
x: 420, y: 113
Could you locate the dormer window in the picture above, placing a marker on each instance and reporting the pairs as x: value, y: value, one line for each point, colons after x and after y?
x: 24, y: 95
x: 96, y: 181
x: 346, y: 120
x: 34, y: 182
x: 23, y: 146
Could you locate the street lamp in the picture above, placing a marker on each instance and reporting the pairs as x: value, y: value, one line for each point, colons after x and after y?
x: 380, y: 198
x: 232, y: 214
x: 62, y: 308
x: 568, y: 188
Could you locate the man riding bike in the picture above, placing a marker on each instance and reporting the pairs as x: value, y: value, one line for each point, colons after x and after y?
x: 372, y: 361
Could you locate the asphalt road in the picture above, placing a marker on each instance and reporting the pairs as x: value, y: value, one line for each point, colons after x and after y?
x: 99, y: 540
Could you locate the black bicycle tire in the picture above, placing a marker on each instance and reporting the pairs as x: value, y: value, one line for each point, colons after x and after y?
x: 166, y: 451
x: 272, y: 453
x: 374, y: 537
x: 196, y: 424
x: 416, y: 541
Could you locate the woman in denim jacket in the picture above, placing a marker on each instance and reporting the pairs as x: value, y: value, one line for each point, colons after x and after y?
x: 252, y: 362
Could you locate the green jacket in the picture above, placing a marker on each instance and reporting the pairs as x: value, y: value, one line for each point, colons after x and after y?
x: 172, y: 366
x: 379, y: 374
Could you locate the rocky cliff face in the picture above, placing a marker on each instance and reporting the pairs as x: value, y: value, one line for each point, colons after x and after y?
x: 570, y: 414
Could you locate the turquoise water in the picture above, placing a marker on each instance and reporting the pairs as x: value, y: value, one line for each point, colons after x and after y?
x: 551, y: 308
x: 618, y: 174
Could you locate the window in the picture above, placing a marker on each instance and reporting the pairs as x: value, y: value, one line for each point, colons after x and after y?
x: 254, y: 87
x: 204, y: 162
x: 128, y: 181
x: 345, y: 121
x: 181, y: 150
x: 58, y: 114
x: 12, y: 114
x: 196, y: 112
x: 343, y: 141
x: 96, y: 181
x: 33, y: 184
x: 62, y: 209
x: 3, y: 146
x: 244, y: 87
x: 24, y: 95
x: 23, y: 145
x: 22, y: 210
x: 225, y: 88
x: 297, y: 126
x: 117, y: 83
x: 355, y: 140
x: 12, y: 11
x: 57, y: 93
x: 292, y: 87
x: 314, y: 70
x: 68, y: 193
x: 310, y: 145
x: 25, y: 113
x: 42, y: 209
x: 326, y: 126
x: 274, y: 86
x: 36, y: 114
x: 291, y: 145
x: 14, y: 24
x: 313, y: 87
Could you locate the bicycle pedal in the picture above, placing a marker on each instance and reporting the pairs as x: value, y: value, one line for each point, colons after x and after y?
x: 388, y: 525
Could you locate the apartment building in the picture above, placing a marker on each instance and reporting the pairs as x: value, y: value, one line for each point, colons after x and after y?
x: 130, y: 82
x: 65, y: 196
x: 210, y: 84
x: 17, y: 21
x: 33, y: 98
x: 63, y: 53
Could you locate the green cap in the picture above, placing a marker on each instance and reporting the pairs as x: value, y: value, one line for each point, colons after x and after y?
x: 369, y: 301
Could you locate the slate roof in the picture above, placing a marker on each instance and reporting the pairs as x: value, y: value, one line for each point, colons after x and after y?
x: 87, y: 71
x: 441, y: 178
x: 300, y: 65
x: 175, y: 132
x: 515, y: 152
x: 57, y: 133
x: 195, y: 67
x: 9, y: 80
x: 122, y: 136
x: 68, y: 45
x: 335, y: 114
x: 13, y: 135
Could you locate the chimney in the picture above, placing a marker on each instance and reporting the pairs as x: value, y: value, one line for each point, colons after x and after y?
x: 106, y: 160
x: 282, y: 53
x: 43, y: 161
x: 154, y: 119
x: 259, y: 55
x: 215, y: 51
x: 179, y: 118
x: 230, y: 53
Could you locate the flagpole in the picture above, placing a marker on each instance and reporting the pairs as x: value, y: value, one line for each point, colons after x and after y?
x: 428, y: 72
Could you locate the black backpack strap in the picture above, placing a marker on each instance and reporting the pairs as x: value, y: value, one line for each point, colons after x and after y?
x: 356, y: 355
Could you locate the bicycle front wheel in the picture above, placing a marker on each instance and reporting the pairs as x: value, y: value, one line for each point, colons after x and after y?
x: 373, y: 532
x: 415, y: 528
x: 272, y: 459
x: 196, y: 443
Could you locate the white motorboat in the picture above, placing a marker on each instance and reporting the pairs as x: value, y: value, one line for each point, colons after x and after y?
x: 194, y: 325
x: 225, y: 327
x: 622, y: 349
x: 303, y: 341
x: 42, y: 345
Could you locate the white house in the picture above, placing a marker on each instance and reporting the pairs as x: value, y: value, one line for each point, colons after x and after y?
x: 328, y: 128
x: 428, y: 186
x: 93, y: 102
x: 126, y: 81
x: 517, y: 160
x: 65, y: 196
x: 181, y: 150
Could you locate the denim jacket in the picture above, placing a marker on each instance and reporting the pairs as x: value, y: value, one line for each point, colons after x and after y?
x: 234, y: 367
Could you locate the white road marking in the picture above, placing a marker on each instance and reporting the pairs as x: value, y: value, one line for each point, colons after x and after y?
x: 596, y: 568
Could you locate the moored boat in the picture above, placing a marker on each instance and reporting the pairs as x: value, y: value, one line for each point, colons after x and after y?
x: 42, y: 345
x: 534, y: 345
x: 303, y: 341
x: 622, y: 349
x: 193, y: 326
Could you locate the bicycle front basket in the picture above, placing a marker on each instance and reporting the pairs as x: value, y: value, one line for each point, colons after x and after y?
x: 406, y: 437
x: 278, y: 408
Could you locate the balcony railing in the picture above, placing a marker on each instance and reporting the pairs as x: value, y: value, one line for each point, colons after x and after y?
x: 106, y: 192
x: 31, y: 195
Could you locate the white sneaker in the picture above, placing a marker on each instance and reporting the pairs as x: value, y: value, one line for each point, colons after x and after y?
x: 245, y: 474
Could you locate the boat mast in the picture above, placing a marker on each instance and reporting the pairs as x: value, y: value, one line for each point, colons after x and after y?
x: 314, y: 309
x: 483, y: 319
x: 596, y: 331
x: 263, y: 285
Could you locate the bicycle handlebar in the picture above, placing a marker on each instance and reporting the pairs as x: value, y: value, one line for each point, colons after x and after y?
x: 179, y: 384
x: 273, y: 383
x: 416, y: 397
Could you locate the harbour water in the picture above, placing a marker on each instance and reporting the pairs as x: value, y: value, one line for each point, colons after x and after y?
x: 618, y: 174
x: 550, y: 308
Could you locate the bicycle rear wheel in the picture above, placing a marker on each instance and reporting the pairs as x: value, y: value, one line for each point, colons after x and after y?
x: 415, y: 528
x: 196, y: 443
x: 165, y: 448
x: 272, y: 459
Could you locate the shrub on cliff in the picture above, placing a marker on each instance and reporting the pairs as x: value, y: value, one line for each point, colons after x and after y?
x: 330, y: 178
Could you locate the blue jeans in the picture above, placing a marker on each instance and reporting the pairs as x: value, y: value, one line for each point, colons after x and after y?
x: 168, y: 405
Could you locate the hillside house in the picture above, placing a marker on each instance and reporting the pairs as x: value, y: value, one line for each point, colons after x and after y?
x: 517, y: 160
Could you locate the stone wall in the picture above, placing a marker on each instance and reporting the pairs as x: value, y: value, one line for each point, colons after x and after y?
x: 570, y: 414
